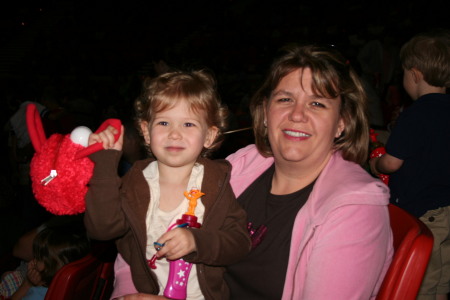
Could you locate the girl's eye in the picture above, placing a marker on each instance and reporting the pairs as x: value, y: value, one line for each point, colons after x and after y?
x: 163, y: 123
x: 189, y: 124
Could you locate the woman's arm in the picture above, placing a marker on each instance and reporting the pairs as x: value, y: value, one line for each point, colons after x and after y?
x: 351, y: 253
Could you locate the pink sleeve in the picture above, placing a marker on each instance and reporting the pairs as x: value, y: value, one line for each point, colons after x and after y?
x: 123, y: 284
x: 350, y: 254
x: 247, y: 164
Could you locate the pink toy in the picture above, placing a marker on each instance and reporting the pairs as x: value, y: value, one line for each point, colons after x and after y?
x: 179, y: 269
x: 60, y: 169
x: 378, y: 150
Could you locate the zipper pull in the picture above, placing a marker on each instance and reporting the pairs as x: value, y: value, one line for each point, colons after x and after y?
x: 49, y: 178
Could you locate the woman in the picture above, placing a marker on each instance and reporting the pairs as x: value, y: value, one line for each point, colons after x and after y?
x: 326, y: 222
x: 328, y: 233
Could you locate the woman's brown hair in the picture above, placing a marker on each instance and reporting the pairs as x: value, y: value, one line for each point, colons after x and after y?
x: 332, y: 77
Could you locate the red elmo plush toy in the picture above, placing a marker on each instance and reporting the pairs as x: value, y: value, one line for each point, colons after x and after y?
x: 60, y: 169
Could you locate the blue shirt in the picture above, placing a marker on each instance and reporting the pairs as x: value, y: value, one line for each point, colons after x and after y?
x: 36, y: 293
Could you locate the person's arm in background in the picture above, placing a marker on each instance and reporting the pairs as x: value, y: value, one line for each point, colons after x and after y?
x: 33, y: 278
x: 385, y: 164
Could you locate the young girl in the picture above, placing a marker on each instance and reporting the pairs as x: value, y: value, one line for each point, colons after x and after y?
x: 181, y: 120
x: 53, y: 248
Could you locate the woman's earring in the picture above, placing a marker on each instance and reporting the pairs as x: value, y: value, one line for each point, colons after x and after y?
x: 265, y: 123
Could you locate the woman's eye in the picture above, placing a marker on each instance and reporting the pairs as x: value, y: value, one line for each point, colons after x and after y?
x: 317, y: 104
x: 284, y: 100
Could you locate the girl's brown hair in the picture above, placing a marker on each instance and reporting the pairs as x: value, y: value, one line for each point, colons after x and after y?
x: 58, y: 246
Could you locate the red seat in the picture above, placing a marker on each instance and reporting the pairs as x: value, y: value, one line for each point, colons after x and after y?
x: 413, y: 242
x: 88, y: 278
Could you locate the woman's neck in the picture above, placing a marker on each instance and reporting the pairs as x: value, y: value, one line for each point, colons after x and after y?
x: 290, y: 177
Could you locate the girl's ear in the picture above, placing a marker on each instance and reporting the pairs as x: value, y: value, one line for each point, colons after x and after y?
x: 210, y: 136
x: 145, y: 131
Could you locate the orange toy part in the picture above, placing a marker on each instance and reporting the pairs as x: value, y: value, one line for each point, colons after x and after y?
x: 193, y: 195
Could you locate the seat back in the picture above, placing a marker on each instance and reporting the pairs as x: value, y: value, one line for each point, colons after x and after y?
x: 88, y: 278
x: 413, y: 243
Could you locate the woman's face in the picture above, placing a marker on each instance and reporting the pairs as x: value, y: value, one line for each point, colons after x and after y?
x: 301, y: 125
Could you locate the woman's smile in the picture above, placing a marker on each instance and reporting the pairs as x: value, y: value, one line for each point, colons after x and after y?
x: 296, y: 134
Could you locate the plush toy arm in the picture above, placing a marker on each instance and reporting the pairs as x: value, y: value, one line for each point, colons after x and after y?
x: 98, y: 146
x: 35, y: 127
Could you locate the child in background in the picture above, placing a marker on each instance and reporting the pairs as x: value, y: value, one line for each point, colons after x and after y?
x: 182, y: 121
x: 53, y: 248
x: 418, y: 151
x: 23, y: 250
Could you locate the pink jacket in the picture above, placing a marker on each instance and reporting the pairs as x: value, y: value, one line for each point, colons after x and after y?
x: 341, y: 243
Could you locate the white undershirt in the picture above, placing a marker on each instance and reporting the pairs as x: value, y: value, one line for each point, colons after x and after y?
x: 158, y: 221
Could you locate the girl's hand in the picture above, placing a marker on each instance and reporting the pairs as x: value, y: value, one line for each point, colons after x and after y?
x: 33, y: 274
x: 177, y: 243
x: 106, y: 137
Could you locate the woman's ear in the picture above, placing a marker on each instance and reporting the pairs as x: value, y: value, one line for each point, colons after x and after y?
x: 340, y: 128
x: 145, y: 131
x: 265, y: 113
x: 211, y: 136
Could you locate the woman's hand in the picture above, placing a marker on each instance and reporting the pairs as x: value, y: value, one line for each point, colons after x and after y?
x: 106, y: 137
x: 177, y: 243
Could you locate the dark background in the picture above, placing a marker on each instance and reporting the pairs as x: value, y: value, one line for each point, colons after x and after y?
x: 51, y: 39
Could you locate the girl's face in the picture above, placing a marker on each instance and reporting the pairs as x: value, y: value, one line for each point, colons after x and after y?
x: 177, y: 135
x: 37, y: 265
x: 301, y: 125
